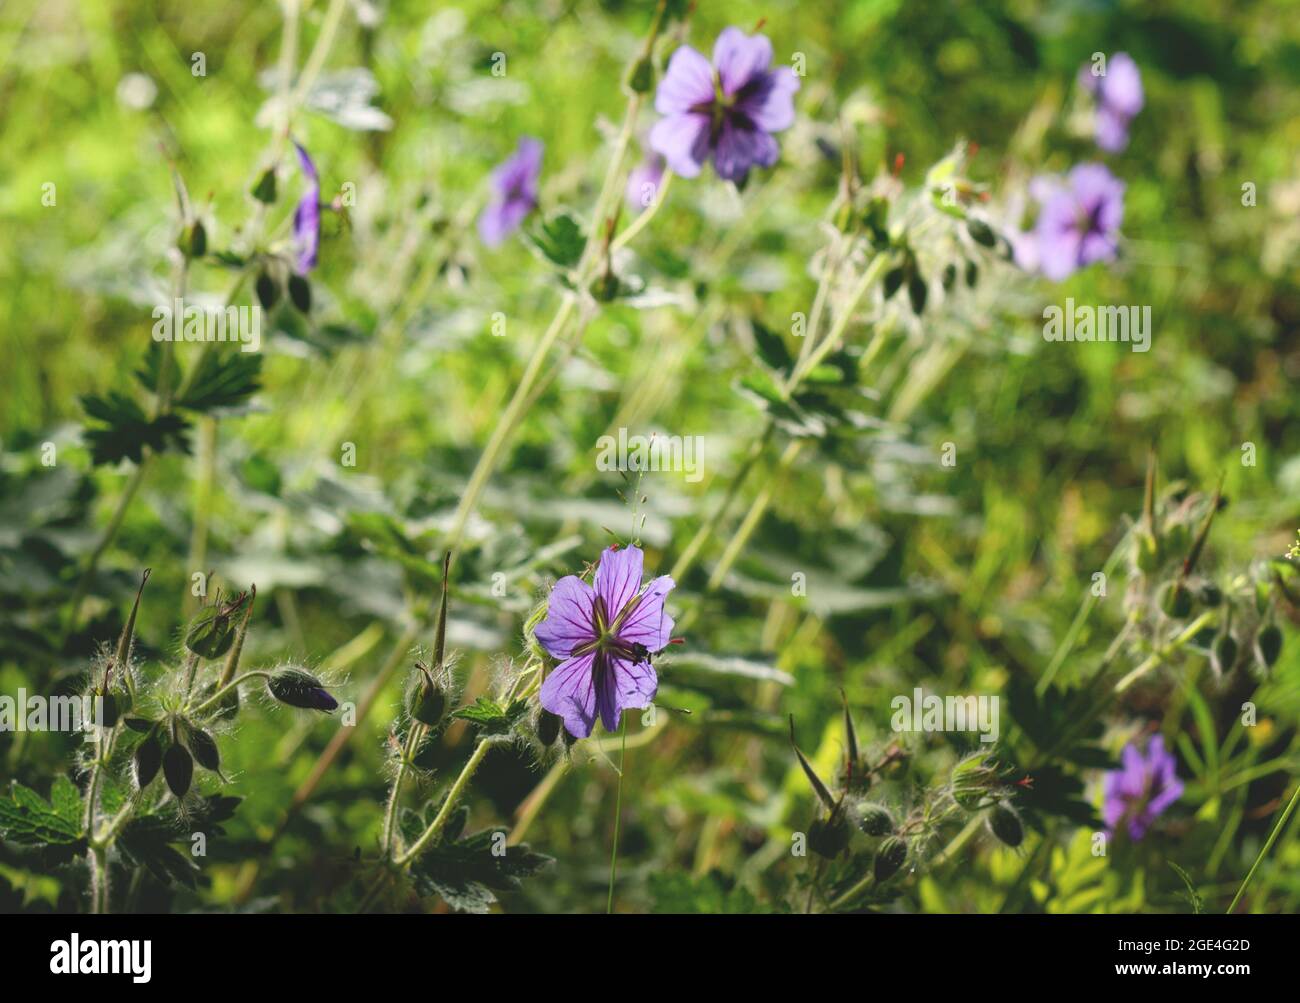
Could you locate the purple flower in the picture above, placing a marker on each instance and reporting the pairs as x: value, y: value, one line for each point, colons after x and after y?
x: 1078, y: 222
x: 514, y: 185
x: 1118, y: 92
x: 727, y: 110
x: 605, y: 636
x: 643, y: 182
x: 306, y: 217
x: 1142, y: 789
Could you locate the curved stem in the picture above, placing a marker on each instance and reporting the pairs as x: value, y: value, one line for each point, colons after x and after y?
x: 449, y: 802
x: 234, y: 683
x: 647, y: 214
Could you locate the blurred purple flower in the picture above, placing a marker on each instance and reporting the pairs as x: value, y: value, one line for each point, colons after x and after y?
x: 1142, y: 789
x: 1119, y: 97
x: 643, y: 183
x: 727, y: 110
x: 605, y: 636
x: 1077, y: 224
x: 306, y: 217
x: 514, y: 185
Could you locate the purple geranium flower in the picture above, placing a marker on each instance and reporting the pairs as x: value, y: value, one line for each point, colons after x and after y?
x: 1119, y: 98
x: 605, y: 636
x: 643, y: 182
x: 1078, y: 222
x: 306, y: 217
x: 514, y: 185
x: 727, y: 110
x: 1142, y: 789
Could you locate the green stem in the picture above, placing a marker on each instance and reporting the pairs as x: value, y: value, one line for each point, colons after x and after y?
x: 1268, y: 845
x: 449, y: 803
x: 212, y: 700
x: 618, y: 817
x: 390, y: 816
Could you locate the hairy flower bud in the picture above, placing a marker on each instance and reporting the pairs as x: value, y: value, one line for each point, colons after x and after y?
x: 212, y: 632
x: 178, y: 769
x: 146, y: 760
x: 1268, y: 644
x: 204, y: 748
x: 890, y: 859
x: 301, y: 689
x: 1004, y: 821
x: 1175, y: 600
x: 426, y: 701
x: 875, y: 820
x: 548, y: 728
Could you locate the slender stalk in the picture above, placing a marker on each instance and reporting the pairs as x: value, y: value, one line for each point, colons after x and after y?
x: 390, y: 816
x: 647, y: 214
x: 449, y: 803
x: 234, y: 683
x: 1268, y: 845
x: 618, y: 818
x: 756, y: 509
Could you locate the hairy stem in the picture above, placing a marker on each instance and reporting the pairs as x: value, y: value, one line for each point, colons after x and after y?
x: 449, y: 803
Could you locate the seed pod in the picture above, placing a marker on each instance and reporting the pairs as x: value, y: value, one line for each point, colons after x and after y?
x: 972, y: 274
x: 890, y: 859
x: 1211, y: 594
x: 204, y: 748
x: 548, y: 728
x: 300, y: 293
x: 178, y: 769
x: 301, y: 689
x: 606, y: 287
x: 146, y: 760
x: 1225, y: 652
x: 1268, y: 644
x: 917, y: 292
x: 949, y: 276
x: 828, y: 837
x: 268, y: 291
x: 875, y: 820
x: 196, y: 241
x: 140, y: 724
x: 981, y: 232
x: 1005, y: 823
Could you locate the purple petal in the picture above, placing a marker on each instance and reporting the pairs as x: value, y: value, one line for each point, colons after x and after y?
x: 570, y: 693
x: 683, y: 141
x: 1099, y: 193
x: 770, y: 103
x: 1112, y: 130
x: 306, y: 216
x: 618, y: 578
x: 739, y: 58
x: 1097, y: 247
x: 738, y: 150
x: 623, y: 685
x: 1121, y: 88
x: 569, y: 617
x: 686, y: 83
x: 648, y: 624
x: 500, y: 219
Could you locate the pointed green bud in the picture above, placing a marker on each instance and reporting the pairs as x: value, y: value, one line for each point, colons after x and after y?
x: 146, y: 760
x: 264, y: 190
x: 1268, y: 645
x: 829, y: 837
x: 301, y: 689
x: 1225, y: 652
x: 1175, y: 600
x: 204, y: 748
x: 178, y: 769
x: 426, y: 701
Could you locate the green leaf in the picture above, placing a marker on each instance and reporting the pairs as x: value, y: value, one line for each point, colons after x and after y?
x: 66, y: 800
x: 559, y: 238
x: 126, y: 432
x: 466, y: 873
x: 491, y: 717
x: 223, y: 379
x: 27, y: 818
x: 771, y: 348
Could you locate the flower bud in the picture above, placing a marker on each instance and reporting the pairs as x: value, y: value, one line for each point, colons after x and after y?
x: 426, y: 701
x: 1210, y: 594
x: 1268, y: 644
x: 1004, y: 821
x: 548, y: 728
x: 1146, y: 552
x: 264, y: 190
x: 890, y: 859
x: 981, y: 232
x: 301, y: 689
x: 875, y: 820
x: 268, y: 291
x: 194, y: 241
x: 641, y: 78
x: 300, y: 293
x: 146, y: 761
x: 916, y: 293
x: 178, y: 769
x: 893, y: 281
x: 204, y: 748
x: 109, y: 706
x: 212, y: 631
x: 1175, y: 600
x: 1225, y: 652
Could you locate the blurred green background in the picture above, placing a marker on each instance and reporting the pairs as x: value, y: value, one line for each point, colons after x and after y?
x: 956, y: 579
